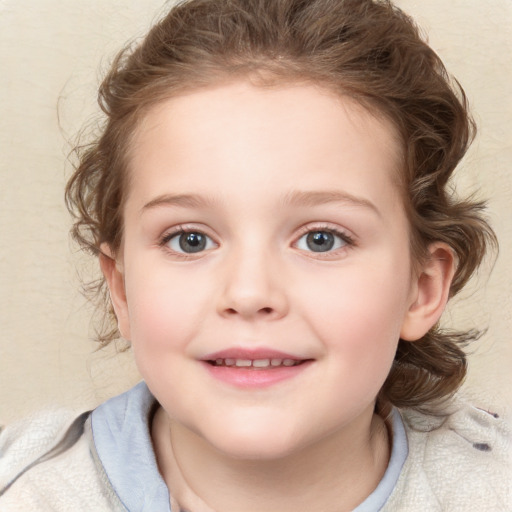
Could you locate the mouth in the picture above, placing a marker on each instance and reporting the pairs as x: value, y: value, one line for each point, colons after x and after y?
x: 252, y: 369
x: 256, y: 364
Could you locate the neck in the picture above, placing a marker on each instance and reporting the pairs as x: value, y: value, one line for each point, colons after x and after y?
x: 340, y: 470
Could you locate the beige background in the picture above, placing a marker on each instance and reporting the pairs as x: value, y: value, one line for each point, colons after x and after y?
x: 51, y: 56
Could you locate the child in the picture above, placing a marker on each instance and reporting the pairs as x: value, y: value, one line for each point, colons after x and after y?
x: 269, y: 202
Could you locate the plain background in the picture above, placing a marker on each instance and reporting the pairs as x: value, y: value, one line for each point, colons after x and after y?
x: 52, y: 55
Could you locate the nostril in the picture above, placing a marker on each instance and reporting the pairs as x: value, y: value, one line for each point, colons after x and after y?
x: 233, y: 311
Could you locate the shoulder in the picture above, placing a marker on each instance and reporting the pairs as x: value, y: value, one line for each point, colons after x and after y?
x: 25, y: 440
x: 50, y: 460
x: 461, y: 460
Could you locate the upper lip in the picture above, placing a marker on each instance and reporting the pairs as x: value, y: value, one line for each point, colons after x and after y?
x: 251, y: 354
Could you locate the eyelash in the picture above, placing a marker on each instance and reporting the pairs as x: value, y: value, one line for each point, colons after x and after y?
x: 347, y: 240
x: 177, y: 232
x: 341, y: 234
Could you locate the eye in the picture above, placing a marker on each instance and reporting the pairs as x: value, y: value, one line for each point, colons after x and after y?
x: 322, y: 240
x: 188, y: 242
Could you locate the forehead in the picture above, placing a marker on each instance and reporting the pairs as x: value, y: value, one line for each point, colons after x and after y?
x: 239, y: 132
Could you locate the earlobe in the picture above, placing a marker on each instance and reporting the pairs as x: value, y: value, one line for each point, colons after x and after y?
x: 431, y: 292
x: 114, y: 275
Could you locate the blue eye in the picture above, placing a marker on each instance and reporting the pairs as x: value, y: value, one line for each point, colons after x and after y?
x: 189, y: 242
x: 322, y: 241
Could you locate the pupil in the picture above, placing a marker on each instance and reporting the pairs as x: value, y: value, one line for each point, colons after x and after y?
x: 320, y: 241
x: 192, y: 242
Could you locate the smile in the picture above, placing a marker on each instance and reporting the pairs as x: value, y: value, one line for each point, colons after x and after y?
x: 254, y: 369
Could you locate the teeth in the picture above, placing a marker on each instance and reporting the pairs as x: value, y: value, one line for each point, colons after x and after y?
x: 261, y: 363
x: 255, y: 363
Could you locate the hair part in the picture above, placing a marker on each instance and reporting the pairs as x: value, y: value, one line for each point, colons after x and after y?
x: 368, y: 50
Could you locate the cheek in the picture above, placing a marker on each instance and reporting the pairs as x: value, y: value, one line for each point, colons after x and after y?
x: 164, y: 312
x: 358, y: 296
x: 359, y: 315
x: 162, y: 324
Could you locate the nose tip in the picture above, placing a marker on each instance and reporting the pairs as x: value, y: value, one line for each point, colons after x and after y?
x: 253, y: 290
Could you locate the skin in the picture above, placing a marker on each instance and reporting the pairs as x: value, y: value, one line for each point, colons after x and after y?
x: 256, y: 170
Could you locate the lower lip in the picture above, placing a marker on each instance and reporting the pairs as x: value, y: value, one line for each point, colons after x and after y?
x: 255, y: 378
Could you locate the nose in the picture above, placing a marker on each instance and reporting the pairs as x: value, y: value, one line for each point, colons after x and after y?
x: 253, y: 287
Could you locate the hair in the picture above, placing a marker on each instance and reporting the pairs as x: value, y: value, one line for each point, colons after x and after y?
x: 368, y: 50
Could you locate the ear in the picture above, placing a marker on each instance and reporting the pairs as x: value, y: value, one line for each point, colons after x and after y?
x: 114, y: 275
x: 430, y: 292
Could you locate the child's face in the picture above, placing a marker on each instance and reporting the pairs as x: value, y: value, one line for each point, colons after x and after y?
x: 295, y: 248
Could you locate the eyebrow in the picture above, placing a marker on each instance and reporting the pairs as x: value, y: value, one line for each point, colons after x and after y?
x: 317, y: 198
x: 294, y: 198
x: 182, y: 200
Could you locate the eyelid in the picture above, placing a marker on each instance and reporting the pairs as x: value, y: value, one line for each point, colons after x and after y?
x: 343, y: 234
x: 182, y: 229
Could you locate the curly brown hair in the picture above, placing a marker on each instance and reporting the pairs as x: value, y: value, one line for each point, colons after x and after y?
x: 368, y: 50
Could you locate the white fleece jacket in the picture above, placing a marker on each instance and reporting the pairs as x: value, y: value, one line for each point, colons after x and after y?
x: 460, y: 463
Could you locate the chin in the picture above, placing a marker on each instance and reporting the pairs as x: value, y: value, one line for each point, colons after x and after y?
x: 255, y: 444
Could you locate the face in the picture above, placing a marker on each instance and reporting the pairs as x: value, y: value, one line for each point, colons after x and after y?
x: 265, y: 276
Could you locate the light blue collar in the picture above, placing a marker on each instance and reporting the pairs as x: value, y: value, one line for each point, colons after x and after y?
x: 120, y: 429
x: 399, y: 452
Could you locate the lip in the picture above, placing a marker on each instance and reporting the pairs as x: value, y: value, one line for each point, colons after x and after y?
x: 254, y: 378
x: 255, y: 353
